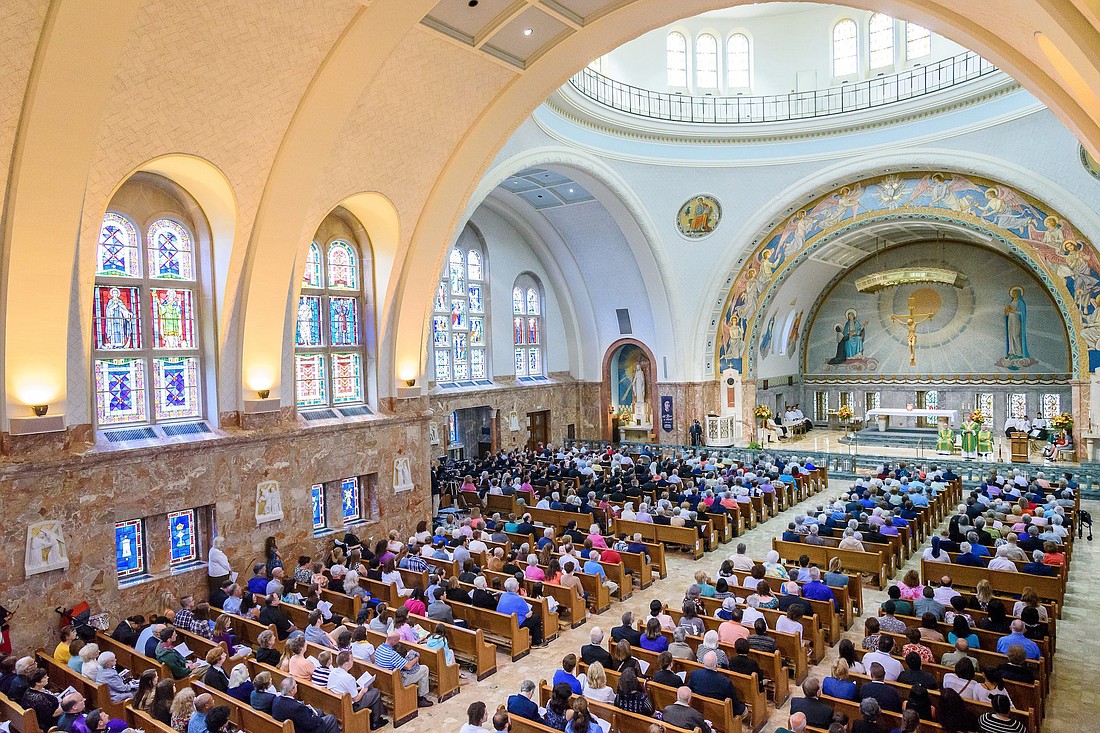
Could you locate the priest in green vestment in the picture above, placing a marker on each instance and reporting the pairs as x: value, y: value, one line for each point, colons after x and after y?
x: 985, y: 442
x: 945, y: 439
x: 969, y: 431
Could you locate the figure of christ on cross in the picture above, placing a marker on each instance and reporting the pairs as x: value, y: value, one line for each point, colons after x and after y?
x: 911, y: 320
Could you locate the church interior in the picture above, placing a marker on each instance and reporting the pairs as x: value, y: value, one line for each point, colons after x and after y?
x: 310, y: 273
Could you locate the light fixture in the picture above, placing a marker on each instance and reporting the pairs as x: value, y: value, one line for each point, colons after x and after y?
x: 527, y: 31
x: 410, y: 382
x: 263, y: 394
x: 570, y: 190
x: 41, y: 410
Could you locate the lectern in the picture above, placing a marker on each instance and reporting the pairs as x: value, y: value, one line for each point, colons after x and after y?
x: 1019, y: 445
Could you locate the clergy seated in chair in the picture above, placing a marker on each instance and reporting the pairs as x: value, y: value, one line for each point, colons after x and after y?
x: 945, y: 440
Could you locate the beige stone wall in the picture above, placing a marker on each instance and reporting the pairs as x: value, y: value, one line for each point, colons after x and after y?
x: 90, y: 493
x: 690, y: 401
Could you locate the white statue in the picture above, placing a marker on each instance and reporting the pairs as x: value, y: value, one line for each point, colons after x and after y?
x: 433, y: 433
x: 402, y: 474
x: 46, y: 548
x: 513, y: 421
x: 638, y: 383
x: 269, y: 502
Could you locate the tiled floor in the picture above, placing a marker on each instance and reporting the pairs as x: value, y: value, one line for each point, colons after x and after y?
x: 1069, y: 702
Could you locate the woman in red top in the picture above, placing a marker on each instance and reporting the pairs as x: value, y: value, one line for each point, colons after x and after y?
x: 415, y: 603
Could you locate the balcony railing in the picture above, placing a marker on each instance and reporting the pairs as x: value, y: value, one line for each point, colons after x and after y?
x: 851, y: 97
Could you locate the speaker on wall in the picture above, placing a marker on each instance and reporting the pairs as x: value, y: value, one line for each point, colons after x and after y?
x: 623, y: 314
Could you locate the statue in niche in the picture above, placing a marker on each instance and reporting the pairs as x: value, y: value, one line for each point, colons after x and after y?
x: 269, y: 502
x: 46, y: 548
x: 1016, y: 353
x: 402, y: 474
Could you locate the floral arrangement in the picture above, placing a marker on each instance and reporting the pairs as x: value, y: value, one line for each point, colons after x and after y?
x: 845, y: 412
x: 978, y: 416
x: 762, y: 412
x: 1062, y: 421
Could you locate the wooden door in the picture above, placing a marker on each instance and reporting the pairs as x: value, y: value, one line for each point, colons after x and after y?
x: 538, y: 428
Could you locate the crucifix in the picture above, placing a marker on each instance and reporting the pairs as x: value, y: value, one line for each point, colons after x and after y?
x: 910, y: 320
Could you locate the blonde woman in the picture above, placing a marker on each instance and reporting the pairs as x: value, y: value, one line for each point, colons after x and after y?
x: 983, y: 594
x: 1028, y: 599
x: 183, y: 707
x: 837, y: 684
x: 90, y: 667
x: 595, y: 684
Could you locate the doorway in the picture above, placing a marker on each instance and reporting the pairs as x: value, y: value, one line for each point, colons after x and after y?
x: 538, y: 429
x: 473, y: 428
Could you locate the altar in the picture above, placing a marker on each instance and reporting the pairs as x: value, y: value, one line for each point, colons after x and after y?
x: 883, y: 414
x: 635, y: 433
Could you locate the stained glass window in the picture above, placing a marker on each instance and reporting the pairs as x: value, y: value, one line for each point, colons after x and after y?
x: 918, y: 41
x: 452, y: 429
x: 473, y: 265
x: 845, y: 48
x: 533, y: 306
x: 848, y: 399
x: 706, y: 62
x: 317, y: 502
x: 170, y: 255
x: 932, y: 400
x: 533, y: 331
x: 1017, y: 405
x: 349, y: 499
x: 120, y: 391
x: 527, y: 332
x: 347, y: 378
x: 1052, y: 405
x: 521, y: 363
x: 460, y: 339
x: 518, y: 335
x: 738, y: 60
x: 148, y: 317
x: 173, y: 318
x: 308, y: 332
x: 176, y: 387
x: 458, y: 279
x: 343, y: 321
x: 821, y: 406
x: 871, y: 400
x: 311, y: 278
x: 116, y: 317
x: 117, y: 253
x: 534, y: 362
x: 331, y: 318
x: 519, y: 306
x: 343, y: 269
x: 129, y: 548
x: 309, y: 380
x: 181, y: 530
x: 984, y: 402
x: 676, y: 59
x: 880, y: 40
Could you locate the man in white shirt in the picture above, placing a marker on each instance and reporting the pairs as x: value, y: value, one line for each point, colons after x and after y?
x: 341, y: 681
x: 945, y: 592
x: 741, y: 561
x: 476, y: 545
x: 891, y: 666
x: 1001, y: 561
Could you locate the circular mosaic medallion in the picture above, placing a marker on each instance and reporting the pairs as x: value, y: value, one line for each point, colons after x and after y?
x: 1090, y: 163
x: 699, y: 216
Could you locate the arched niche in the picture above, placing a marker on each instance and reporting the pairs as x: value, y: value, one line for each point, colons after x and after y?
x: 617, y: 389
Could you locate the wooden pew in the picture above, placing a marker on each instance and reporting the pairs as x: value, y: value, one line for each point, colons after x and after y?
x: 871, y: 563
x: 62, y: 676
x: 788, y: 645
x: 141, y: 720
x: 568, y: 601
x: 22, y: 720
x: 131, y: 660
x: 243, y: 715
x: 620, y: 720
x: 248, y: 631
x: 1049, y: 589
x: 662, y: 533
x: 443, y: 677
x: 469, y: 646
x: 499, y: 628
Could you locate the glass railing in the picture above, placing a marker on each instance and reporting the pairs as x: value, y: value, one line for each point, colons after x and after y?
x: 849, y: 97
x: 852, y: 465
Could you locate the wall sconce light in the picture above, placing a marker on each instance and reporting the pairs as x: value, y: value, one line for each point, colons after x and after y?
x: 263, y: 394
x: 410, y: 382
x: 41, y: 410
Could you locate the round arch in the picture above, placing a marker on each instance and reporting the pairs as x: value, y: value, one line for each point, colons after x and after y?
x: 1030, y: 230
x: 605, y: 384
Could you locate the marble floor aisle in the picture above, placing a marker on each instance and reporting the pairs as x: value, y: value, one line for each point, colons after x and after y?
x: 1069, y: 703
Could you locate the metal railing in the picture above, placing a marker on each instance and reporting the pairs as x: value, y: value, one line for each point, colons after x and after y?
x: 849, y: 97
x: 853, y: 465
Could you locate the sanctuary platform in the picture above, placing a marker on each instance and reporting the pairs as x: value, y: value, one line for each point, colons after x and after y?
x: 893, y: 437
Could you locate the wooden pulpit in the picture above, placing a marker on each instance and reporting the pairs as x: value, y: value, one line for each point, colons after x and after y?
x: 1019, y: 445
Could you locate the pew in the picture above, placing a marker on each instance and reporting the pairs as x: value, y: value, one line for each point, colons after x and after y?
x: 502, y: 629
x: 469, y: 646
x: 620, y: 720
x: 870, y: 563
x: 96, y: 695
x: 21, y: 719
x: 788, y: 645
x: 243, y: 715
x: 686, y: 537
x: 443, y: 677
x: 1050, y: 589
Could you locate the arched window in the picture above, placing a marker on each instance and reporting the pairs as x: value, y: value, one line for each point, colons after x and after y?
x: 676, y: 59
x: 739, y: 61
x: 880, y: 40
x: 146, y: 360
x: 528, y: 338
x: 706, y: 62
x: 918, y: 41
x: 329, y: 365
x: 460, y: 337
x: 845, y: 48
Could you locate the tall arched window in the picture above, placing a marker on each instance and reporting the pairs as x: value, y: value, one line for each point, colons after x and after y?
x: 845, y: 48
x: 738, y: 61
x: 706, y: 62
x: 918, y: 41
x: 146, y: 360
x: 329, y: 365
x: 676, y: 59
x: 460, y: 336
x: 880, y: 40
x: 528, y: 337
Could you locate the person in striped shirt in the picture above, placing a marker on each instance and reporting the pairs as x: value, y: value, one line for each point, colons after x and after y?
x: 386, y: 656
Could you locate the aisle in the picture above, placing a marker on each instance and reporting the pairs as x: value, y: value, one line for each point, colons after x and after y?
x: 1069, y: 701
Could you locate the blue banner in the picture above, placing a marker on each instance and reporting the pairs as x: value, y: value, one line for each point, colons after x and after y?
x: 666, y: 413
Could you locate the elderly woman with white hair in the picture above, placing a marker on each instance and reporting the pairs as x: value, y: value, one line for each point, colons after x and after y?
x: 119, y: 689
x: 1001, y: 561
x: 773, y: 568
x: 710, y: 644
x: 814, y: 537
x: 851, y: 541
x: 217, y: 564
